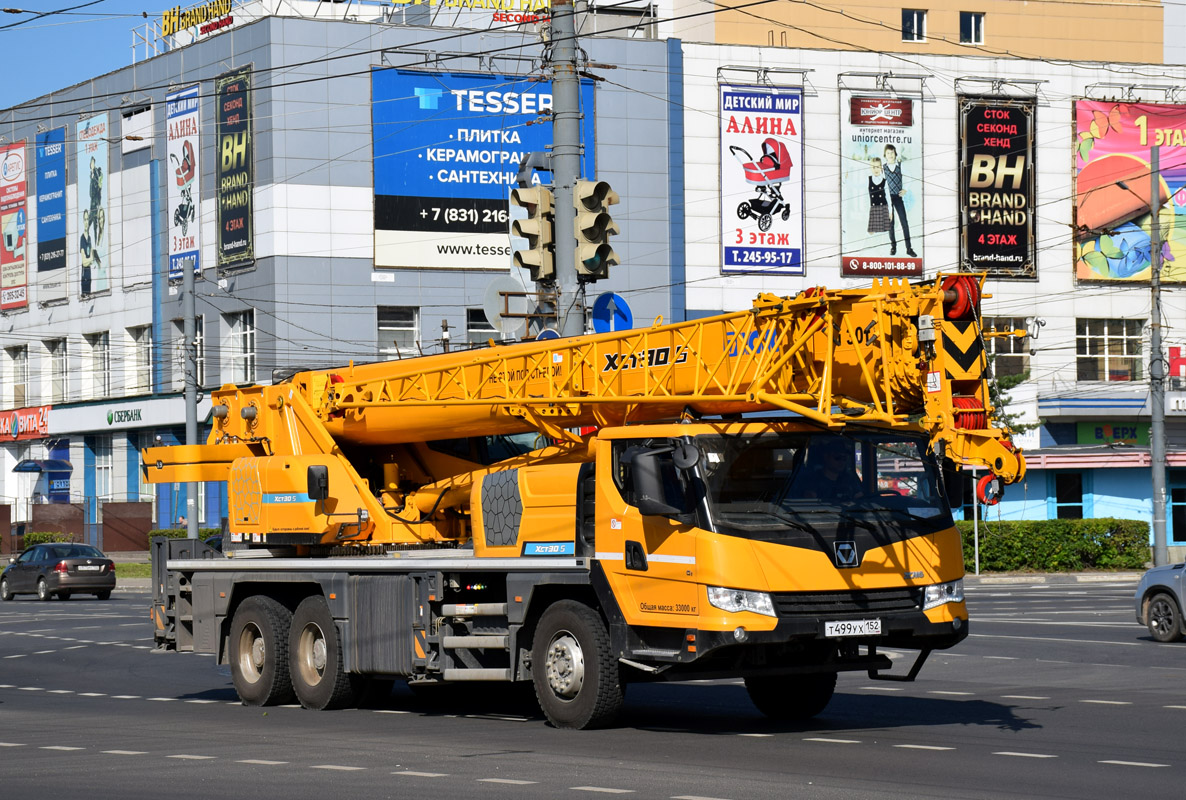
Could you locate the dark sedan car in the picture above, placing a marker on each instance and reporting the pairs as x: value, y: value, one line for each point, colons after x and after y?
x: 60, y: 569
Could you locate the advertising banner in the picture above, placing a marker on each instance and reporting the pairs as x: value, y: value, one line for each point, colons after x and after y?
x: 14, y: 228
x: 234, y: 173
x: 880, y: 185
x: 21, y: 424
x: 447, y: 148
x: 91, y: 174
x: 1113, y: 188
x: 761, y: 179
x: 51, y: 214
x: 181, y: 146
x: 997, y: 187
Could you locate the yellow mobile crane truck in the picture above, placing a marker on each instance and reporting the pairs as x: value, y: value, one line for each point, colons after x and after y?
x: 759, y: 494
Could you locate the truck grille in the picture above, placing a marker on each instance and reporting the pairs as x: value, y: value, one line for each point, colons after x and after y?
x: 795, y: 604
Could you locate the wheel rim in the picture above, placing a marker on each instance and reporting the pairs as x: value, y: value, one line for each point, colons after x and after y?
x: 4, y: 586
x: 42, y: 589
x: 253, y: 652
x: 1161, y: 616
x: 564, y: 665
x: 311, y: 654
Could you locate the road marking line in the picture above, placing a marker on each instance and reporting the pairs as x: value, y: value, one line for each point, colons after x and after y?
x: 19, y: 655
x: 12, y: 744
x: 337, y: 767
x: 187, y: 757
x: 262, y: 762
x: 91, y: 694
x: 60, y: 747
x: 694, y: 797
x: 1173, y: 706
x: 603, y: 789
x: 289, y: 705
x: 957, y: 694
x: 204, y: 702
x: 7, y: 685
x: 1055, y: 639
x: 1108, y: 702
x: 126, y: 752
x: 163, y: 699
x: 125, y: 697
x: 1024, y: 697
x: 922, y: 747
x: 76, y: 647
x: 509, y: 781
x: 757, y: 735
x: 1134, y: 764
x: 43, y: 652
x: 31, y: 689
x: 833, y: 741
x: 1023, y: 755
x: 882, y: 688
x: 1002, y: 658
x: 422, y: 774
x: 390, y: 711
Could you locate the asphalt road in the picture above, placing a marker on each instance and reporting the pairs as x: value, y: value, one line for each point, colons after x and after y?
x: 1057, y: 693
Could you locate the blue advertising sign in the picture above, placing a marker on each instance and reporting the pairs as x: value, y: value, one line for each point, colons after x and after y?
x: 51, y: 200
x: 447, y: 148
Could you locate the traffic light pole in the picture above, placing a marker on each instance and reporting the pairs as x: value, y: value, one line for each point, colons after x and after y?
x: 566, y: 166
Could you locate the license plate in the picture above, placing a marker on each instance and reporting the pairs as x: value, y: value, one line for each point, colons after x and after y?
x: 852, y: 627
x: 90, y: 567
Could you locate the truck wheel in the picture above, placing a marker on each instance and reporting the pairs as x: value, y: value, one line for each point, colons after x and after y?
x: 791, y: 697
x: 259, y: 652
x: 577, y: 682
x: 1164, y: 620
x: 315, y: 658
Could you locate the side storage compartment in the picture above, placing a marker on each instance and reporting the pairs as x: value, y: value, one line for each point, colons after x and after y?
x: 389, y: 617
x: 172, y: 594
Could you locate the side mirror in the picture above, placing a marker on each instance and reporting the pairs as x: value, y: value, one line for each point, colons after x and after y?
x: 649, y: 494
x: 318, y: 480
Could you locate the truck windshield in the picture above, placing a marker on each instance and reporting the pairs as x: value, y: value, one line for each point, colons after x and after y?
x: 793, y: 486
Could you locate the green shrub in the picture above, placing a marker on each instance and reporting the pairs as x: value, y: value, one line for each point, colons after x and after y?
x: 45, y: 537
x: 1057, y: 545
x: 181, y: 533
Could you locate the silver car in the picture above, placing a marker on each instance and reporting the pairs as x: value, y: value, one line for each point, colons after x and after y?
x: 1159, y: 602
x: 60, y: 569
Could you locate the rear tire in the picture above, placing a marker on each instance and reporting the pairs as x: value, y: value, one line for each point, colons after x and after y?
x: 1164, y: 618
x: 315, y: 658
x: 791, y: 697
x: 43, y: 592
x: 63, y: 595
x: 259, y: 652
x: 577, y: 680
x: 5, y: 592
x: 104, y: 595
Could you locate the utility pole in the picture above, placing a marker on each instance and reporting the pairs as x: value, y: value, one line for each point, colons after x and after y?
x: 188, y: 312
x: 1157, y: 367
x: 566, y: 166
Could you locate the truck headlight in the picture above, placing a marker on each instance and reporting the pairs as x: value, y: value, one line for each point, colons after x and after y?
x: 741, y: 600
x: 940, y: 593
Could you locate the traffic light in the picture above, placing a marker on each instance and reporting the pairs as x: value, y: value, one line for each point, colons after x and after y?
x: 594, y: 226
x: 537, y: 229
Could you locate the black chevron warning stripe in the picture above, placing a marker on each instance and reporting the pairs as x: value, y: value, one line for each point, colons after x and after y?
x: 963, y: 346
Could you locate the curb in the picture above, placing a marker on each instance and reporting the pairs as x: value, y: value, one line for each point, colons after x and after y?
x: 1052, y: 578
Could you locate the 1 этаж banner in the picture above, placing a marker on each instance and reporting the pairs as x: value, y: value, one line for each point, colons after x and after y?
x: 184, y: 171
x: 997, y: 187
x: 761, y: 179
x: 446, y: 150
x: 234, y: 173
x: 91, y: 174
x: 14, y: 239
x: 1113, y: 187
x: 51, y: 215
x: 880, y: 185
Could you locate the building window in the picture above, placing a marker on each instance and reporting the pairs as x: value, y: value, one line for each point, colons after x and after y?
x: 58, y: 376
x: 399, y: 330
x: 477, y: 328
x: 1068, y: 495
x: 241, y: 346
x: 1009, y: 355
x: 914, y: 25
x: 103, y: 469
x: 1108, y: 349
x: 971, y: 27
x: 100, y: 346
x: 18, y: 359
x: 140, y: 379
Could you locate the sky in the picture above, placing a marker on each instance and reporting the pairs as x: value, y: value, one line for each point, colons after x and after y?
x: 63, y: 49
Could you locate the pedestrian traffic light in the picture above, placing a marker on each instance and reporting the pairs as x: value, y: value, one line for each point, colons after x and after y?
x: 594, y: 226
x: 537, y: 229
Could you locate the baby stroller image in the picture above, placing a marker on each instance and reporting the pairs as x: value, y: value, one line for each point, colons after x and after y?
x: 768, y: 174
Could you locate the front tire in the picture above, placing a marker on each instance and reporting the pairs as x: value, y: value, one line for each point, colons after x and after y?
x: 791, y: 697
x: 315, y: 658
x: 259, y: 652
x: 5, y: 591
x: 1164, y: 618
x: 577, y: 681
x: 43, y: 592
